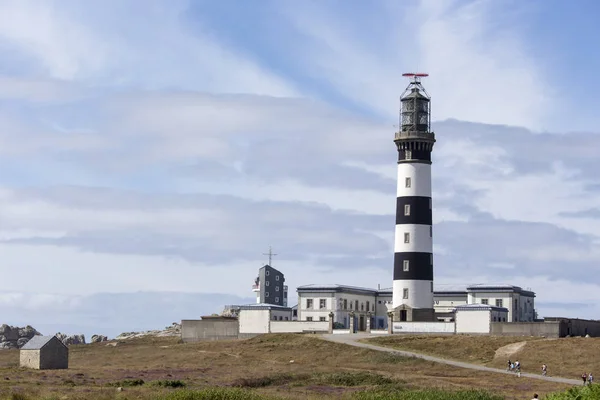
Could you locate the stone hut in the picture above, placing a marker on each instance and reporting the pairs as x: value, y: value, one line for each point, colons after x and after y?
x: 45, y: 352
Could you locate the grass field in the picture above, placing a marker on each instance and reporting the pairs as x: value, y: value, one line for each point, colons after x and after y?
x: 263, y: 365
x: 565, y: 357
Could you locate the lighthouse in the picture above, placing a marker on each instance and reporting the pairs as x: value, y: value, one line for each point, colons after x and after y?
x: 413, y: 246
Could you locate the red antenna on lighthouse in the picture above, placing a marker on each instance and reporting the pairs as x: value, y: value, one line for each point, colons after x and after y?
x: 415, y: 75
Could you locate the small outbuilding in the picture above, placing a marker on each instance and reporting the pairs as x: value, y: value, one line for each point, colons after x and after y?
x: 44, y: 352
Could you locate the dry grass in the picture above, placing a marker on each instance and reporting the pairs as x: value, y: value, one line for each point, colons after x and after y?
x: 565, y: 357
x: 320, y: 369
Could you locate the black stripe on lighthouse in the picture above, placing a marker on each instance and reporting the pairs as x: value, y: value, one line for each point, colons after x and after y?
x: 413, y: 210
x: 420, y: 266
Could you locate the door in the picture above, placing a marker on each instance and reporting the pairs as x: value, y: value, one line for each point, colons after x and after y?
x: 403, y: 316
x: 362, y: 323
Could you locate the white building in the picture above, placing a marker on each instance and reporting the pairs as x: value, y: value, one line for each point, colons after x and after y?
x: 315, y: 302
x: 256, y: 318
x: 477, y: 318
x: 520, y: 303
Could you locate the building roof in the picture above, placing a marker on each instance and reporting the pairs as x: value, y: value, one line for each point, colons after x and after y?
x: 263, y: 306
x: 342, y: 288
x: 479, y: 307
x: 499, y: 288
x: 37, y: 342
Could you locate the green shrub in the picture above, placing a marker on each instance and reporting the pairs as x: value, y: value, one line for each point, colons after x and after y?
x: 398, y: 393
x: 212, y: 394
x: 588, y: 392
x: 352, y: 379
x: 168, y: 383
x: 127, y: 383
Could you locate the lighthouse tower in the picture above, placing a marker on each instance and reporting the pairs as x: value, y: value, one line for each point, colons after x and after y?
x: 413, y: 247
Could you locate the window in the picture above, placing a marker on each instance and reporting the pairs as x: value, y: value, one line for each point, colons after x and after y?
x: 274, y: 318
x: 499, y: 303
x: 276, y: 299
x: 286, y: 318
x: 405, y: 265
x: 356, y: 305
x: 309, y: 303
x: 309, y: 318
x: 277, y: 288
x: 280, y: 318
x: 405, y: 293
x: 379, y: 301
x: 267, y: 283
x: 373, y: 309
x: 322, y: 303
x: 430, y: 203
x: 406, y: 237
x: 322, y: 319
x: 267, y: 272
x: 407, y: 209
x: 368, y: 306
x: 484, y: 301
x: 362, y: 306
x: 276, y: 277
x: 432, y: 289
x: 431, y: 231
x: 408, y: 155
x: 345, y: 304
x: 407, y: 182
x: 431, y: 259
x: 266, y: 294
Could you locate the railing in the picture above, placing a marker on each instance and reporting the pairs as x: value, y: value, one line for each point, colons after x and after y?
x: 414, y: 134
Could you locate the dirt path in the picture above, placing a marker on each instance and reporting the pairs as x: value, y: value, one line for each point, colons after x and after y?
x: 352, y: 340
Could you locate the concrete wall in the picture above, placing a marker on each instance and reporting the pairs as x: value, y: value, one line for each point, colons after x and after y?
x: 423, y: 327
x: 208, y: 329
x: 473, y: 321
x: 447, y: 303
x: 298, y: 326
x: 254, y: 321
x: 552, y: 327
x: 546, y: 329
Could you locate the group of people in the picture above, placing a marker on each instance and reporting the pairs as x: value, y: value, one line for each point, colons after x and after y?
x: 516, y: 367
x: 587, y: 378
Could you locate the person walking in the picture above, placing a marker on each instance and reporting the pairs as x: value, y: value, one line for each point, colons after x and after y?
x: 590, y: 378
x: 535, y: 396
x: 518, y: 368
x: 509, y: 367
x: 584, y: 378
x: 544, y: 369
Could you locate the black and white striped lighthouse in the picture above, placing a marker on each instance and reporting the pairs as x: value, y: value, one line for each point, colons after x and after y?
x: 413, y: 247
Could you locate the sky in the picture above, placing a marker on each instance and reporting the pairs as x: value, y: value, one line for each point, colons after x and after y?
x: 151, y: 151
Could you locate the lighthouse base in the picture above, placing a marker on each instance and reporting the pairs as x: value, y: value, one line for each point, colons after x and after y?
x: 404, y: 313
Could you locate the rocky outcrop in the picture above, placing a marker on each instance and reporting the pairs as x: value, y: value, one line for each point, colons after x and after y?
x: 12, y: 337
x: 173, y: 330
x: 71, y: 339
x: 98, y: 338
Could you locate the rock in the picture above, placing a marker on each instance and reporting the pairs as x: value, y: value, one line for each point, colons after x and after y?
x: 113, y: 344
x: 12, y: 337
x: 119, y: 389
x: 28, y: 332
x: 72, y: 339
x: 9, y: 333
x: 173, y: 330
x: 12, y: 344
x: 98, y: 338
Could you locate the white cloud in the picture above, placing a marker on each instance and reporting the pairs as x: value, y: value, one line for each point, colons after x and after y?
x: 479, y: 70
x: 106, y: 42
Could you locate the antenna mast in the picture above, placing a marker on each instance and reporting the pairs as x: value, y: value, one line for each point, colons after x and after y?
x: 270, y: 254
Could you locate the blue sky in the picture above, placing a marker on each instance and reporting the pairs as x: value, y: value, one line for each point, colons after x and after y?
x: 151, y: 151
